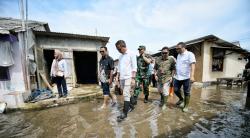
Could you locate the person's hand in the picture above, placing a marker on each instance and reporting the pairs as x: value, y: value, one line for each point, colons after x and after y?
x: 133, y: 82
x: 156, y: 78
x: 110, y: 81
x: 171, y: 80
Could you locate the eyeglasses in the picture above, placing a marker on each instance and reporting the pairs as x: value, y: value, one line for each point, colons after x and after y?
x: 140, y: 49
x: 119, y: 49
x: 164, y: 53
x: 101, y: 51
x: 177, y: 49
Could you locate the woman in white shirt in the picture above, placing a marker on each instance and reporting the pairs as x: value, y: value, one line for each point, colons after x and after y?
x: 59, y: 72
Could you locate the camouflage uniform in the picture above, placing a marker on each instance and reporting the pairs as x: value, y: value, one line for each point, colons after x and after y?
x: 164, y: 70
x: 142, y: 77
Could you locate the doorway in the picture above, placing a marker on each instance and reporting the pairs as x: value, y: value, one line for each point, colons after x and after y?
x: 85, y: 67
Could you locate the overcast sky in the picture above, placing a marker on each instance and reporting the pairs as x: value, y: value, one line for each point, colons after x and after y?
x: 153, y: 23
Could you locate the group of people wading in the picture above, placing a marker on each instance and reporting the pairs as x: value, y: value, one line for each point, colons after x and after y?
x: 133, y: 75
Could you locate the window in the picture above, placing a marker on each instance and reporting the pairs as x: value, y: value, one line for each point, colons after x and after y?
x: 4, y: 74
x: 217, y: 59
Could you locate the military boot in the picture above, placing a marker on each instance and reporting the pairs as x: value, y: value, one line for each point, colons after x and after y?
x: 146, y: 99
x: 186, y: 101
x: 162, y: 100
x: 133, y: 100
x: 164, y: 107
x: 131, y: 104
x: 125, y: 111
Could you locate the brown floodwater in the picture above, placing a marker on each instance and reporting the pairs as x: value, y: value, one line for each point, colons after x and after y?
x: 214, y: 112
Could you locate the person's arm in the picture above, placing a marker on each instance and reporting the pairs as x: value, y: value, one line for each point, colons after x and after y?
x: 192, y: 61
x: 155, y: 71
x: 134, y: 66
x: 173, y: 68
x: 111, y: 71
x: 118, y: 69
x: 146, y: 59
x: 192, y: 72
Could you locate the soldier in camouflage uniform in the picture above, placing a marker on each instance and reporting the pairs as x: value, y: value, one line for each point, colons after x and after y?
x: 142, y: 76
x: 164, y: 71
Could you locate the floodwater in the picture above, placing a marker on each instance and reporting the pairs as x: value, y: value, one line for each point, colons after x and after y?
x: 214, y: 112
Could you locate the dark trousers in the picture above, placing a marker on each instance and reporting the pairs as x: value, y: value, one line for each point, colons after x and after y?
x: 186, y: 86
x: 153, y: 80
x: 61, y: 84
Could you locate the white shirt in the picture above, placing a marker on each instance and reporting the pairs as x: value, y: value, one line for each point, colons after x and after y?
x: 62, y: 66
x: 183, y: 65
x: 127, y: 64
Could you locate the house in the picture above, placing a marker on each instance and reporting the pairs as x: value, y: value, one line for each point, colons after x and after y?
x: 14, y: 71
x: 80, y: 51
x: 27, y: 56
x: 216, y: 58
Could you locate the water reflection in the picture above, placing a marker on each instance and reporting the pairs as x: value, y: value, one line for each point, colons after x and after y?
x: 153, y: 119
x: 214, y: 112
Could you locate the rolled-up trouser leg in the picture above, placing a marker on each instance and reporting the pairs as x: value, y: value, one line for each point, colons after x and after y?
x: 126, y: 86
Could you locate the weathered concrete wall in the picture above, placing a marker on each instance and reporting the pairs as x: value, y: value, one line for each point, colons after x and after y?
x: 16, y: 82
x: 68, y: 45
x: 11, y: 91
x: 231, y: 66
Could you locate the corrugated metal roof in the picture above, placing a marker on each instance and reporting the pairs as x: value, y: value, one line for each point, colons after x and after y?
x: 11, y: 24
x: 99, y: 38
x: 215, y: 39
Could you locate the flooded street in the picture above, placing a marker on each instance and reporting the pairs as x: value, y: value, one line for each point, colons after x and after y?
x: 214, y: 112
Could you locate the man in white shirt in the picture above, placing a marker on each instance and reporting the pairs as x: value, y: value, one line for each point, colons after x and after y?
x: 127, y: 68
x: 185, y: 67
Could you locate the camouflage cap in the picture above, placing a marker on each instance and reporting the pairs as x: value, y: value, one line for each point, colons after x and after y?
x: 142, y: 47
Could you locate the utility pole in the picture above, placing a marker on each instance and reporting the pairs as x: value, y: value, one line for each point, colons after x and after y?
x: 246, y: 76
x: 24, y: 42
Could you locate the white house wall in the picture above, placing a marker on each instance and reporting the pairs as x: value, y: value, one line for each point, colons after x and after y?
x: 231, y: 66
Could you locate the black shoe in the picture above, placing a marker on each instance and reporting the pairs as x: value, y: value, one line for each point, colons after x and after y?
x: 121, y: 117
